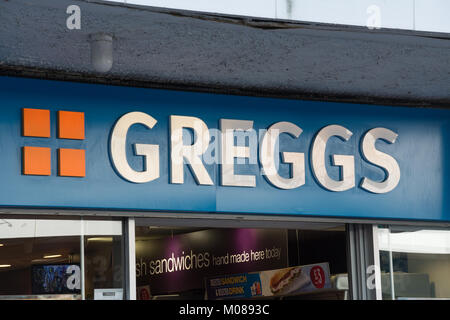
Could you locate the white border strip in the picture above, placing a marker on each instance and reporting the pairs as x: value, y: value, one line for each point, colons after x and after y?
x: 131, y: 247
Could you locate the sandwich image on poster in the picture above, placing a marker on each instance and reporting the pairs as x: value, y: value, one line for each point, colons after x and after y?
x: 288, y: 280
x: 295, y: 279
x: 268, y: 283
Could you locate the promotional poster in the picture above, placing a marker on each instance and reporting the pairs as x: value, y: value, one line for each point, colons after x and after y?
x: 279, y: 282
x: 181, y: 262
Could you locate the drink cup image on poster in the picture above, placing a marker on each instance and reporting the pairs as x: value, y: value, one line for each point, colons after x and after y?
x: 295, y: 279
x: 143, y: 293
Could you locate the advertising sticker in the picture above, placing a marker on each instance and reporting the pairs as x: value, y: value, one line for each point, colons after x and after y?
x: 268, y: 283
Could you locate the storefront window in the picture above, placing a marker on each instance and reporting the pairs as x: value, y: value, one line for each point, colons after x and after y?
x: 70, y: 259
x: 225, y: 263
x: 414, y: 262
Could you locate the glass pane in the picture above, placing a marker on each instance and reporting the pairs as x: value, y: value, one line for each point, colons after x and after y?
x: 416, y: 261
x: 44, y: 259
x: 104, y: 259
x: 39, y: 259
x: 205, y: 263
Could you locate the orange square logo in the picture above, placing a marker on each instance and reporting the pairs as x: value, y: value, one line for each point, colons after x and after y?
x: 71, y: 163
x: 36, y: 161
x: 36, y: 123
x: 71, y: 125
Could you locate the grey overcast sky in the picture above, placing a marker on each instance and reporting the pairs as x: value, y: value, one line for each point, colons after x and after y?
x: 423, y: 15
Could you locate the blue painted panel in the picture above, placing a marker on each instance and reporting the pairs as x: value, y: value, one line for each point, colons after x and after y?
x: 421, y: 150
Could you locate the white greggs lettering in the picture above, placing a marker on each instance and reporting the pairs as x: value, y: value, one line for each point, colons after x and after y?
x: 192, y: 154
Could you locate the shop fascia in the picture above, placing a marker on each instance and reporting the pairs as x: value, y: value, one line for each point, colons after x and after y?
x: 194, y: 154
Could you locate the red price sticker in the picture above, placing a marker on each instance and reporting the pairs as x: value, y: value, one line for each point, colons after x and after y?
x: 317, y: 276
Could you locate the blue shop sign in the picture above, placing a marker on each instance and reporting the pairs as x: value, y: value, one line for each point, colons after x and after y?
x: 85, y: 146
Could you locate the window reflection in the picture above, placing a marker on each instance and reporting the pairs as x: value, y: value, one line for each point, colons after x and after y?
x: 415, y: 263
x: 103, y: 261
x: 60, y: 258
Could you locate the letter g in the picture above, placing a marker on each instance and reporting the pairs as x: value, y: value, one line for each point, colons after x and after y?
x: 149, y: 151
